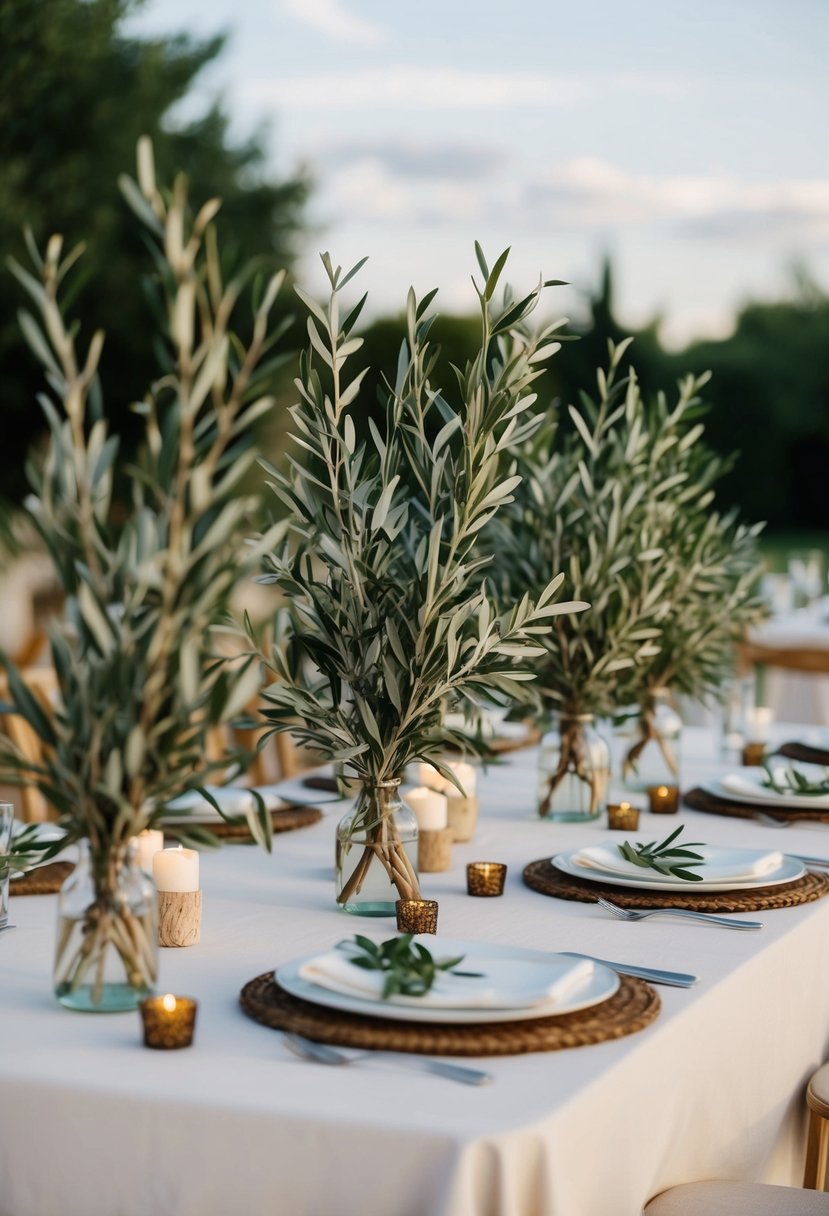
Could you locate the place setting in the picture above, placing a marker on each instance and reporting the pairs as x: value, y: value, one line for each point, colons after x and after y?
x: 672, y: 875
x: 777, y: 791
x: 444, y: 996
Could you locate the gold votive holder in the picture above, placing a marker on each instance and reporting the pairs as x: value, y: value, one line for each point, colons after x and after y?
x: 463, y: 816
x: 663, y: 799
x: 622, y: 817
x: 485, y: 877
x: 434, y: 851
x: 754, y: 754
x: 169, y: 1021
x: 417, y: 915
x: 179, y: 918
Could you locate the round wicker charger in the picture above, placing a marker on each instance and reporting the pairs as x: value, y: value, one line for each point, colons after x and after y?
x: 45, y: 880
x: 286, y: 819
x: 542, y: 876
x: 802, y: 751
x: 700, y: 800
x: 632, y: 1008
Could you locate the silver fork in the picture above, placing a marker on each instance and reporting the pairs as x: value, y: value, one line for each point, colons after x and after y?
x: 634, y: 914
x: 321, y: 1053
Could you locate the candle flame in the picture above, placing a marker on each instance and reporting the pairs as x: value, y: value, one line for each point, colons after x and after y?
x: 662, y: 791
x: 169, y: 1002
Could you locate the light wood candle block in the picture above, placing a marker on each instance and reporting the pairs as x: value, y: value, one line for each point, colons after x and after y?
x: 179, y: 918
x: 434, y: 851
x: 463, y: 816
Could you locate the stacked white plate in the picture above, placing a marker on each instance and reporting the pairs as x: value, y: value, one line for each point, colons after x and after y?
x: 722, y: 869
x: 746, y: 785
x: 514, y: 984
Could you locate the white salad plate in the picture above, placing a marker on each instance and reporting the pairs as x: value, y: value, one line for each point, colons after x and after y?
x: 755, y: 794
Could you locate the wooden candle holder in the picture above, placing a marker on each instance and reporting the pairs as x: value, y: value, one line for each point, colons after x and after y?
x: 179, y: 918
x: 434, y: 851
x: 463, y: 816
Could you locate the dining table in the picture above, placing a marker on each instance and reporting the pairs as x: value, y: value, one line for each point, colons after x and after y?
x: 93, y: 1123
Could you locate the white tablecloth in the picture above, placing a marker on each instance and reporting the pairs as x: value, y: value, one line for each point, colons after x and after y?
x: 94, y: 1124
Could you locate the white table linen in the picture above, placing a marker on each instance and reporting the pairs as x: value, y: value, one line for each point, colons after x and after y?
x: 92, y: 1123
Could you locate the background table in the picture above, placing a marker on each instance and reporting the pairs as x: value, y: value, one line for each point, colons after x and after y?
x: 92, y: 1123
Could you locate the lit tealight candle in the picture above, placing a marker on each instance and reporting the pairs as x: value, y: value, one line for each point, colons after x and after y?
x: 622, y: 817
x: 663, y: 799
x: 429, y: 808
x: 176, y: 870
x: 148, y: 843
x: 169, y: 1021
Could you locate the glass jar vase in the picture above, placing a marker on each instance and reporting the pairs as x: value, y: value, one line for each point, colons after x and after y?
x: 377, y: 852
x: 652, y: 742
x: 107, y: 946
x: 573, y: 771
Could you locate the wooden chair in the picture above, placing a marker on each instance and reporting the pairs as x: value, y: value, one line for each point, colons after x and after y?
x: 816, y: 1173
x: 811, y: 659
x: 737, y: 1199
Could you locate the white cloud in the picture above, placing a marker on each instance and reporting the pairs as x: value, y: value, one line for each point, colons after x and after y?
x: 334, y: 20
x: 408, y: 87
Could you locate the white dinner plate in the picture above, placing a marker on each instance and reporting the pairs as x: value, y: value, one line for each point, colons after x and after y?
x: 601, y: 985
x: 787, y: 872
x: 294, y: 792
x: 765, y: 797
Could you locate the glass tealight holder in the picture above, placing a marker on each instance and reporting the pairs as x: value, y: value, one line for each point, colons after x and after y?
x: 485, y: 878
x: 622, y: 817
x: 169, y: 1021
x: 417, y: 915
x: 753, y: 755
x: 663, y: 799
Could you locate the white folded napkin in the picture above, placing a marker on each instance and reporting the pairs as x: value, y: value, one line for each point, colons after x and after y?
x: 191, y: 805
x: 719, y: 865
x: 504, y: 983
x: 748, y: 784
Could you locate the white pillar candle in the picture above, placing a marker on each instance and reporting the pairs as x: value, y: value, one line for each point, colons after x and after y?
x: 431, y: 778
x: 148, y: 843
x: 758, y: 723
x: 466, y: 776
x: 176, y: 870
x: 429, y: 808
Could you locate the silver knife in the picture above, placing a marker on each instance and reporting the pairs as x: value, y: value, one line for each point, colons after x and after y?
x: 809, y: 861
x: 674, y: 979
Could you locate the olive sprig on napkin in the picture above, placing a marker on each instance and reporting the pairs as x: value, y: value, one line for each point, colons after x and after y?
x: 791, y: 781
x: 661, y: 856
x: 410, y: 968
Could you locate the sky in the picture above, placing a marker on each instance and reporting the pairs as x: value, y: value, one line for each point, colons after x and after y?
x: 683, y: 138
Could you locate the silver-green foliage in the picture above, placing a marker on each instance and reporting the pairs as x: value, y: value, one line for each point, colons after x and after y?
x: 586, y: 506
x: 138, y: 683
x: 389, y: 618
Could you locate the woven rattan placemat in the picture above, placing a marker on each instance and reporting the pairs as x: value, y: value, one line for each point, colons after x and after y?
x: 286, y: 819
x: 700, y: 800
x: 544, y: 877
x: 45, y: 880
x: 632, y: 1008
x: 802, y: 751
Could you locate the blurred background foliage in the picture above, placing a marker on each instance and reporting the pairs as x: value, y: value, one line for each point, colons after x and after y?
x: 77, y: 95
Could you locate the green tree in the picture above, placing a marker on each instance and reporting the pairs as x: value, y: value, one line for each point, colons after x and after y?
x: 77, y: 93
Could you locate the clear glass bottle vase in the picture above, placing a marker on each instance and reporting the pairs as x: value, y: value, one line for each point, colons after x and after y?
x: 377, y: 852
x: 573, y: 771
x: 652, y: 744
x: 107, y: 946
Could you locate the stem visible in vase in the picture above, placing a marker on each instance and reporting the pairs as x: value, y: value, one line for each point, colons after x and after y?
x: 382, y: 841
x: 573, y: 758
x: 648, y: 733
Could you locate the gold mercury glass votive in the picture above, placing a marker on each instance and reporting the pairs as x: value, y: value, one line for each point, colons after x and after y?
x: 754, y: 754
x: 663, y: 799
x: 622, y: 816
x: 417, y: 915
x: 169, y: 1021
x: 485, y: 877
